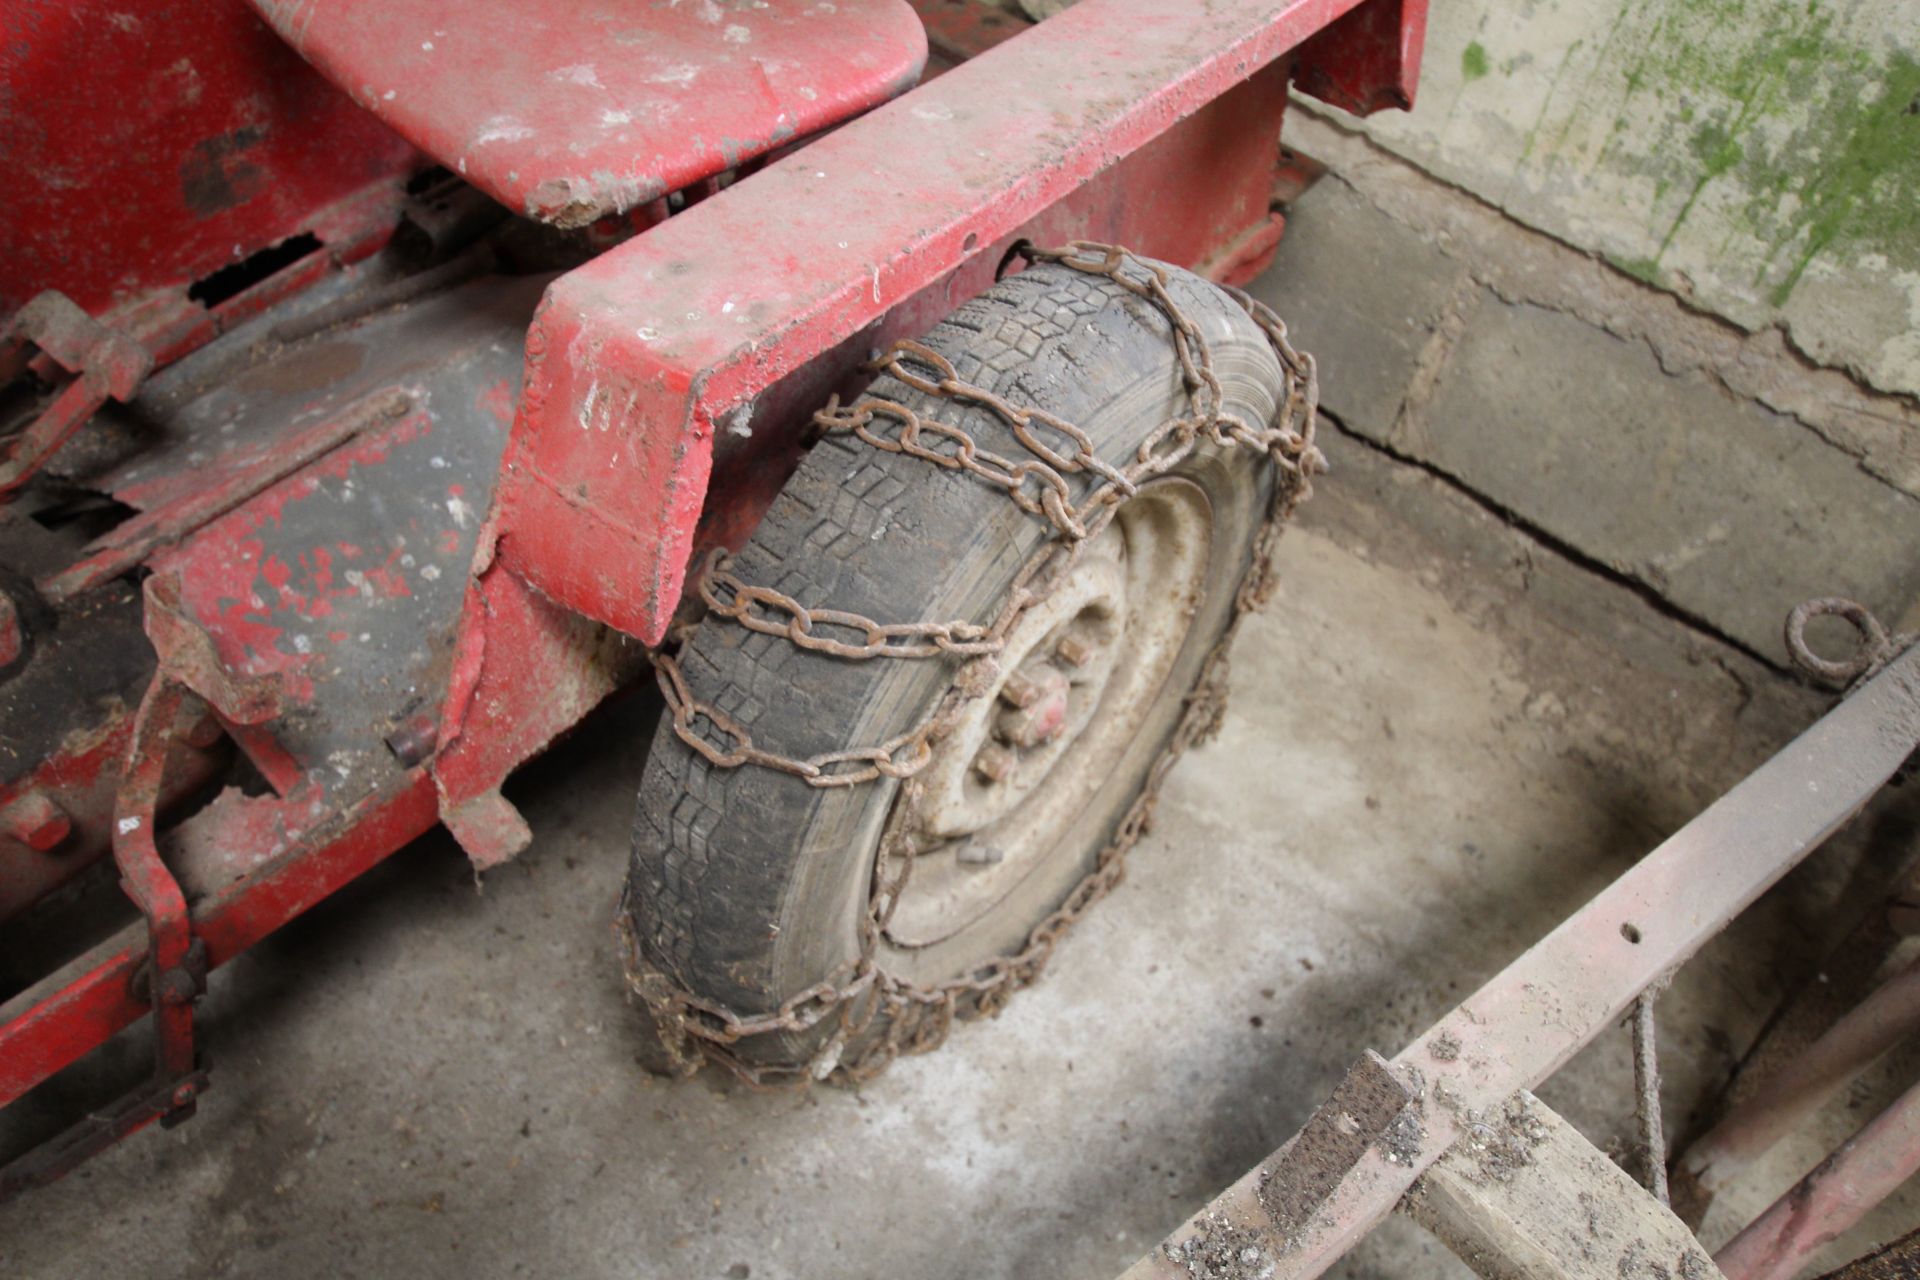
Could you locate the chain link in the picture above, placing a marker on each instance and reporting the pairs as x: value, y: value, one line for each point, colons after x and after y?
x: 860, y: 993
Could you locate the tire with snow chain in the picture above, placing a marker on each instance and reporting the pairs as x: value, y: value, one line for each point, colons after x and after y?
x: 748, y: 885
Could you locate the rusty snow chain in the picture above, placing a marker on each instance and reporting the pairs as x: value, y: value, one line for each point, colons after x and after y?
x: 917, y: 1018
x: 1877, y: 646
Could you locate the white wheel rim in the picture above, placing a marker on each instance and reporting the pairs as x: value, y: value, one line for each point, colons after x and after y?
x: 1079, y: 675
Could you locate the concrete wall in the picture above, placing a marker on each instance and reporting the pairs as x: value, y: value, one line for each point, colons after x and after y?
x: 1760, y: 158
x: 1712, y: 470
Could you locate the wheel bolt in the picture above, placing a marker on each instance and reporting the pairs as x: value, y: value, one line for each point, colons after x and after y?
x: 1074, y: 651
x: 1020, y: 690
x: 994, y: 763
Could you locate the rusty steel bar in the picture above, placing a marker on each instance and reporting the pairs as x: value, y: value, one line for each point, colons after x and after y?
x: 1751, y: 1129
x: 1646, y: 1089
x: 1835, y: 1195
x: 1306, y: 1206
x: 147, y: 881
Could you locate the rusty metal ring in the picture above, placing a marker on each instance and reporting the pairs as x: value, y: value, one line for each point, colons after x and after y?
x: 1876, y: 644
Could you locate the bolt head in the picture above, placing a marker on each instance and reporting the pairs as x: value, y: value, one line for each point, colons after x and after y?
x: 178, y: 987
x: 994, y: 763
x: 1021, y: 690
x: 1074, y: 651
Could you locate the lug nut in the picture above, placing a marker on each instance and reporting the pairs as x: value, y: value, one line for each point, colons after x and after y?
x: 1074, y: 651
x: 994, y: 763
x: 973, y: 854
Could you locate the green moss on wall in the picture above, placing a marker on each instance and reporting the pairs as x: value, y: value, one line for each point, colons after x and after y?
x: 1473, y: 62
x: 1804, y: 142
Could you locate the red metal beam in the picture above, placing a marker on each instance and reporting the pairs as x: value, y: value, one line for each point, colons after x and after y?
x: 637, y: 356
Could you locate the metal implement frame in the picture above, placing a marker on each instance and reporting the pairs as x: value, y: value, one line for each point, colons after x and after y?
x: 1314, y: 1198
x: 615, y: 474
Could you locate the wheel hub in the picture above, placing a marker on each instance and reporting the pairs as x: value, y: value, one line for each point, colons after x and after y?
x: 1083, y: 667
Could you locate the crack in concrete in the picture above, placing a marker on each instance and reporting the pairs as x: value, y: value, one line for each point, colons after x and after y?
x: 1524, y: 265
x: 1548, y: 541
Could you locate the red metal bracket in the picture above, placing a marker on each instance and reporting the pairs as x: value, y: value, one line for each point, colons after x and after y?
x: 1367, y: 61
x: 50, y: 335
x: 171, y: 985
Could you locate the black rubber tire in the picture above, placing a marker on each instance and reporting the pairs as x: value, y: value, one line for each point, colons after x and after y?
x: 747, y: 885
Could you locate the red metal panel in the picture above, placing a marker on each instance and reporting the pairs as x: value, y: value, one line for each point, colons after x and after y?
x: 568, y: 113
x: 608, y: 467
x: 152, y: 143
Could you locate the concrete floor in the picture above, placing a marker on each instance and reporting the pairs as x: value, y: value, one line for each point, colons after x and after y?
x: 1442, y: 739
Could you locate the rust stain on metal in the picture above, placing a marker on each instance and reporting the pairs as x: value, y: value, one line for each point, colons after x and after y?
x: 219, y: 172
x: 1372, y: 1108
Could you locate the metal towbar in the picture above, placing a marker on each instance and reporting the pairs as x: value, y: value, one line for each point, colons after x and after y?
x: 1390, y: 1122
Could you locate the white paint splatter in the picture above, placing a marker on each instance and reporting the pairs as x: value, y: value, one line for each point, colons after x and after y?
x: 580, y: 73
x: 737, y: 34
x: 501, y: 129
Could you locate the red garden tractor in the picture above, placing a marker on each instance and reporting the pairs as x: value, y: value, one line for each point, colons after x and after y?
x: 388, y: 384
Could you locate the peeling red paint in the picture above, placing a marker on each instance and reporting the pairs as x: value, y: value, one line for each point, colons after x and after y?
x: 62, y: 63
x: 497, y: 399
x: 233, y: 584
